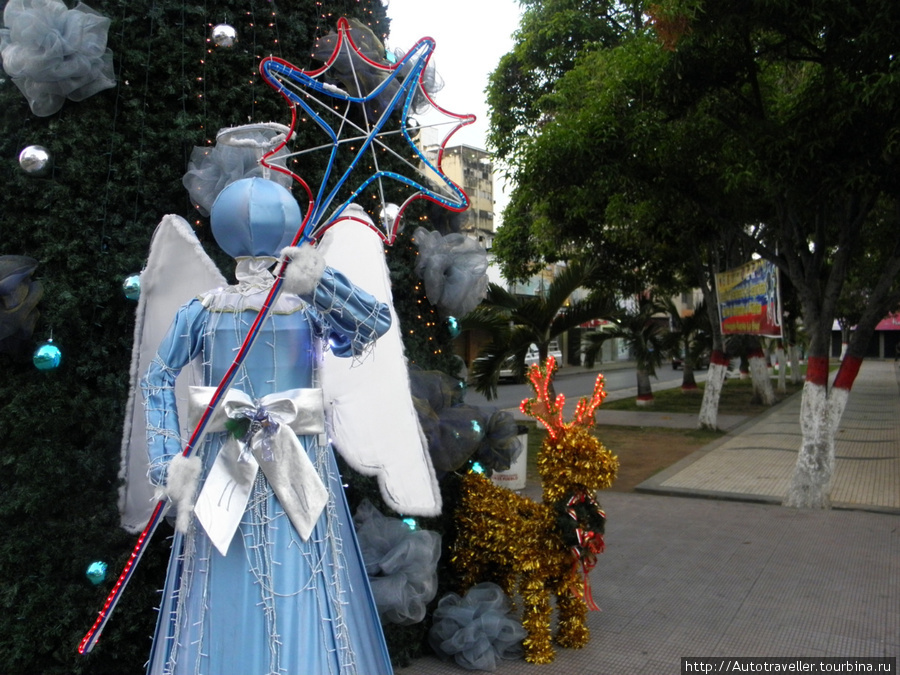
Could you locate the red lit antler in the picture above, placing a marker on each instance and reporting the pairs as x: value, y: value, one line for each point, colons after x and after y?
x: 549, y: 412
x: 546, y: 411
x: 584, y: 411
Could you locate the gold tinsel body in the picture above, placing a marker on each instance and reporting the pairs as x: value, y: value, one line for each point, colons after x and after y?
x: 576, y: 460
x: 515, y: 542
x: 504, y: 537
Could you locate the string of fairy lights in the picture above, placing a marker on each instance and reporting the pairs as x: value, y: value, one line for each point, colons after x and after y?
x: 136, y: 85
x: 325, y: 20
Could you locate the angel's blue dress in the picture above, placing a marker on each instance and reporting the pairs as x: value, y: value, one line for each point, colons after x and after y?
x: 274, y: 603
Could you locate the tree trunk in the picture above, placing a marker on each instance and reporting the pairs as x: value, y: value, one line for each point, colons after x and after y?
x: 688, y: 381
x: 782, y: 368
x: 795, y: 364
x: 845, y: 339
x: 820, y: 415
x: 644, y: 388
x: 715, y: 378
x: 763, y: 392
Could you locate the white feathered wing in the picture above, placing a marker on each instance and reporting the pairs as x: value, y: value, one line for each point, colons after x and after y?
x: 177, y: 270
x: 368, y: 403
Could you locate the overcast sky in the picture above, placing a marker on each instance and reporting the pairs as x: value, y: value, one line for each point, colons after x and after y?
x: 470, y: 37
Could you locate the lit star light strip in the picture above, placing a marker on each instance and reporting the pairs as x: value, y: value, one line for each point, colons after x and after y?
x: 315, y: 96
x: 284, y: 77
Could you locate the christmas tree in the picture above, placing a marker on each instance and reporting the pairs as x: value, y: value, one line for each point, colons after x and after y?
x: 85, y: 208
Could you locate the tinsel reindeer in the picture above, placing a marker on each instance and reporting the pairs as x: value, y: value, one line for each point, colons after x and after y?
x: 548, y: 547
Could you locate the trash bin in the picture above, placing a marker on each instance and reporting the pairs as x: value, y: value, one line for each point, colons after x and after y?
x: 514, y: 477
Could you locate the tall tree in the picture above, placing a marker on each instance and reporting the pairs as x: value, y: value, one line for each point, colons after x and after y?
x: 117, y: 162
x: 552, y: 35
x: 774, y: 121
x: 645, y: 335
x: 689, y: 339
x: 810, y: 95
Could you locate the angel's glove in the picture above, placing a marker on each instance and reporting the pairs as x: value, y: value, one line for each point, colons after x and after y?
x: 303, y: 271
x: 182, y: 478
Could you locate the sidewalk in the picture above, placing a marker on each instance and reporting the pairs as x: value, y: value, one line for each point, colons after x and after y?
x: 687, y: 577
x: 755, y: 461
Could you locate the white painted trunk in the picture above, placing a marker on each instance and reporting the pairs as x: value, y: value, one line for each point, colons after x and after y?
x: 762, y: 383
x: 820, y: 415
x: 709, y: 407
x: 782, y: 370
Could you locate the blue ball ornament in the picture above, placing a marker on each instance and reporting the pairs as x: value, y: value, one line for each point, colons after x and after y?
x: 131, y: 287
x: 254, y: 217
x: 47, y: 356
x: 96, y: 572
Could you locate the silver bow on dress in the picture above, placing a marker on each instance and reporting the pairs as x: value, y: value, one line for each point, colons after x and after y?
x: 271, y: 444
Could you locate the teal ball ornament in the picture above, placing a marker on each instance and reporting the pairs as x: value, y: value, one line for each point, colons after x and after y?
x: 47, y: 356
x: 96, y: 572
x: 453, y: 326
x: 131, y: 287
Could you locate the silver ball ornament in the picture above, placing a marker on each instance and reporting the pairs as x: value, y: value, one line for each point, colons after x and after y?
x: 131, y: 287
x: 389, y: 214
x: 224, y: 35
x: 47, y: 356
x: 35, y: 160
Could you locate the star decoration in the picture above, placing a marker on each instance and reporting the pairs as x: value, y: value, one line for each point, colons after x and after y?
x: 358, y: 102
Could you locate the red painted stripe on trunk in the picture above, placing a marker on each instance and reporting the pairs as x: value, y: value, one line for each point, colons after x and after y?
x: 817, y: 370
x: 718, y: 358
x: 847, y: 372
x: 757, y: 354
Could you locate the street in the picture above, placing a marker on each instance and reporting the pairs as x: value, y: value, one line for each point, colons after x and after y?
x: 575, y: 382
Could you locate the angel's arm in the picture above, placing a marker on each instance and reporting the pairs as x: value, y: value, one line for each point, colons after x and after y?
x: 353, y: 317
x: 180, y: 345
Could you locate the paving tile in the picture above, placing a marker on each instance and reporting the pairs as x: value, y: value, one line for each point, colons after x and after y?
x: 703, y: 577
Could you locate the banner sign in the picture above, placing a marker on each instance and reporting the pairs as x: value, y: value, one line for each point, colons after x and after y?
x: 749, y: 301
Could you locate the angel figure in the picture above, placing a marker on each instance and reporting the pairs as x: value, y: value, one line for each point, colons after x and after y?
x: 265, y: 574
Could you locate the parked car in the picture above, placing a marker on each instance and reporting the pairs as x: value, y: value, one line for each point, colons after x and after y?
x: 532, y: 356
x: 702, y: 361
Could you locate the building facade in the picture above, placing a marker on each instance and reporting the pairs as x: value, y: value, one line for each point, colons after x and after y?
x: 472, y: 169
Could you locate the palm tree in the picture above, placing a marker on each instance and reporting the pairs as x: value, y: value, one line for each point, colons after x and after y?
x: 514, y: 323
x: 689, y: 337
x: 644, y: 335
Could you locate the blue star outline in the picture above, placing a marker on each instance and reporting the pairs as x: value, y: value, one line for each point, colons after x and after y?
x: 305, y: 89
